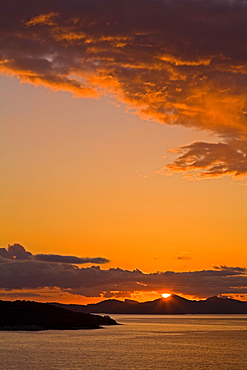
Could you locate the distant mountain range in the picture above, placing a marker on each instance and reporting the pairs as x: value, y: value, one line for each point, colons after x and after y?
x: 171, y: 305
x: 26, y: 315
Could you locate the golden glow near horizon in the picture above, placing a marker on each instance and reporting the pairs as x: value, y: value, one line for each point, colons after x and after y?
x: 166, y: 295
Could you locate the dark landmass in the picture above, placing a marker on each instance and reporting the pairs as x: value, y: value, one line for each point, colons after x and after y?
x: 26, y: 315
x: 172, y: 305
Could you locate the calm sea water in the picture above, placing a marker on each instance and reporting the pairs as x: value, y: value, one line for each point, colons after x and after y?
x: 142, y: 342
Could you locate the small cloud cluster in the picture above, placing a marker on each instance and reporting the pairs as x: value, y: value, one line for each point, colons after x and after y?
x: 32, y: 273
x: 207, y: 160
x: 18, y: 252
x: 183, y: 256
x: 175, y: 62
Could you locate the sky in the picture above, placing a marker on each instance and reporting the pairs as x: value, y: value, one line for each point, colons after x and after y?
x: 123, y: 149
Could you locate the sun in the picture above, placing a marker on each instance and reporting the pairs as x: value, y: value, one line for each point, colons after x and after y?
x: 166, y: 295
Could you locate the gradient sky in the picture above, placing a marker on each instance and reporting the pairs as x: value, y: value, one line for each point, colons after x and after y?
x: 123, y: 149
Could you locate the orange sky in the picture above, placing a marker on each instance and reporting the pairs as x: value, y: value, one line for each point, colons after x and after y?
x: 139, y: 161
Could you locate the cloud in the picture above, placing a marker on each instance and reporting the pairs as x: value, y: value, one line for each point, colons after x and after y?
x: 18, y: 252
x: 18, y: 274
x: 184, y: 256
x: 230, y: 269
x: 175, y: 62
x: 18, y: 295
x: 69, y: 259
x: 207, y: 160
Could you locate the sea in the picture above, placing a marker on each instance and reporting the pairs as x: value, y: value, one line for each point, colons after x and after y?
x: 142, y: 342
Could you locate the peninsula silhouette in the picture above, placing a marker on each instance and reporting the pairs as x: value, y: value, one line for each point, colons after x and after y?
x: 26, y: 315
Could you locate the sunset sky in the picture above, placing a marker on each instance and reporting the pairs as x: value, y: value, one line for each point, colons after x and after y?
x: 123, y: 149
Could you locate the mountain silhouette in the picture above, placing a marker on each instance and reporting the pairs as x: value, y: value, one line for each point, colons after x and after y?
x: 26, y: 315
x: 171, y: 305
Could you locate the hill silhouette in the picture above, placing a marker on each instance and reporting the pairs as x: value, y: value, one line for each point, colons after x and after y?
x: 171, y: 305
x: 26, y: 315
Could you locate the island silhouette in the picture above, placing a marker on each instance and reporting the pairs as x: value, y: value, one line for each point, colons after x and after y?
x: 27, y: 315
x: 174, y: 304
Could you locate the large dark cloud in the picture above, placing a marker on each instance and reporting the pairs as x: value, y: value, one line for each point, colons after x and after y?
x: 18, y: 252
x: 94, y: 282
x: 176, y: 62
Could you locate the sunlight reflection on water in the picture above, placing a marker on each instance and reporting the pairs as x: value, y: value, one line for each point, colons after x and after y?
x: 142, y: 342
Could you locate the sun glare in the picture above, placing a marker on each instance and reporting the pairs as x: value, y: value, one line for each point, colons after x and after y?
x: 165, y: 295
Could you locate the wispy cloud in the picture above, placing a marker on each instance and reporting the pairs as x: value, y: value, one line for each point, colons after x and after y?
x: 183, y: 256
x: 176, y: 62
x: 69, y: 259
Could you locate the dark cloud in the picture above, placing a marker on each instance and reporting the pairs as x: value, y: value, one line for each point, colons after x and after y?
x: 176, y: 62
x: 18, y: 252
x: 204, y: 160
x: 94, y: 282
x: 230, y: 269
x: 69, y: 259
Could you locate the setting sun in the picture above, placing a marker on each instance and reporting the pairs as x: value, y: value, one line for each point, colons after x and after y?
x: 166, y: 295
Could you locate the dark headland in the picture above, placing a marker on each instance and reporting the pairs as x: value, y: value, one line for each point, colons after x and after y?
x: 172, y: 305
x: 26, y: 315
